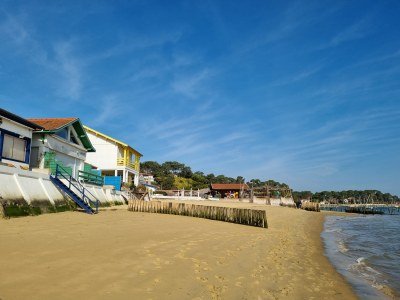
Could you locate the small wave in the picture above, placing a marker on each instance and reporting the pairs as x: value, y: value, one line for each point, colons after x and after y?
x: 342, y: 247
x: 360, y: 260
x: 363, y: 249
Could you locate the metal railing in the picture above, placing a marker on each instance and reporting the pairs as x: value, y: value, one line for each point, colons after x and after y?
x: 121, y: 162
x: 61, y: 172
x: 91, y: 178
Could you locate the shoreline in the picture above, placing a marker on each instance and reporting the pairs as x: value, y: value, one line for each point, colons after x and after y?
x: 120, y: 254
x: 337, y: 252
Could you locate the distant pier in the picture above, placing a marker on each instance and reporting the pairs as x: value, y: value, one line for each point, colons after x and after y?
x: 365, y: 209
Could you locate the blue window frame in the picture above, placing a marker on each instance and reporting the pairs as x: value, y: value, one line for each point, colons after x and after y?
x: 3, y: 134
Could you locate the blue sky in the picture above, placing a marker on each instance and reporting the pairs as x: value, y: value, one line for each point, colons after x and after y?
x: 305, y: 92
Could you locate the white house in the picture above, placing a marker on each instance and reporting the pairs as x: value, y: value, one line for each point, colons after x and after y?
x: 62, y: 141
x: 113, y: 157
x: 15, y: 139
x: 145, y: 178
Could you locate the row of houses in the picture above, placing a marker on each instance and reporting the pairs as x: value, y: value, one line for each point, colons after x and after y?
x: 40, y: 144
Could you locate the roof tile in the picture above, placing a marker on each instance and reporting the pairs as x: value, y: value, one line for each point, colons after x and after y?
x: 228, y: 186
x: 52, y: 123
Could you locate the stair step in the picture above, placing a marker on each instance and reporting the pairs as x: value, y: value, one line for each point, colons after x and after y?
x: 78, y: 200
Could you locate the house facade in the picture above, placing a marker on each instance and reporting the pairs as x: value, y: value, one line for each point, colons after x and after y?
x: 113, y: 157
x: 61, y: 141
x: 15, y: 139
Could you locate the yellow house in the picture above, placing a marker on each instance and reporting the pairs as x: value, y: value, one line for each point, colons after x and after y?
x: 113, y: 157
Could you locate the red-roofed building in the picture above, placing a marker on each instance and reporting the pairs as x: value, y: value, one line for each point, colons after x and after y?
x: 228, y: 190
x: 61, y: 141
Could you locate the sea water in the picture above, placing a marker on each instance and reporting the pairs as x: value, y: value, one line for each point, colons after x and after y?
x: 366, y: 251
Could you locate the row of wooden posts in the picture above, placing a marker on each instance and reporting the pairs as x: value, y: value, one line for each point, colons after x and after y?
x: 244, y: 216
x: 312, y: 206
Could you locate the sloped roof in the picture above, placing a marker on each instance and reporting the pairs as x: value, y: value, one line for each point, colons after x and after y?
x: 228, y: 186
x: 52, y: 125
x: 98, y: 133
x: 13, y: 117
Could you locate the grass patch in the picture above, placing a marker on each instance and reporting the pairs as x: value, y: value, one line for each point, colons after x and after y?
x: 61, y: 208
x: 14, y: 211
x: 35, y: 211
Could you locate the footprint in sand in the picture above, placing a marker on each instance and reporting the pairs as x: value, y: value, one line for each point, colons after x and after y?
x: 203, y: 279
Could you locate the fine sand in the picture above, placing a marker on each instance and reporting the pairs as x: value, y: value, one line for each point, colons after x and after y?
x: 125, y: 255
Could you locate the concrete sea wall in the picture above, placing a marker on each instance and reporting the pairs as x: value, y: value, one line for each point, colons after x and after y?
x: 30, y: 193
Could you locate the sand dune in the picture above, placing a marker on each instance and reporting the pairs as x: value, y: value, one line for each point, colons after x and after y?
x: 125, y: 255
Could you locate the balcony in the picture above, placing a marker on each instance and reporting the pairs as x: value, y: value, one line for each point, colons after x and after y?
x: 127, y: 163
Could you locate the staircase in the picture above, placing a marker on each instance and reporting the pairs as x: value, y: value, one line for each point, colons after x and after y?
x: 75, y: 190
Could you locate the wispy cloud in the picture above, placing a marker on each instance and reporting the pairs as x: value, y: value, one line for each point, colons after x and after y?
x: 302, y: 75
x: 13, y: 30
x: 63, y: 70
x: 356, y: 31
x: 70, y: 69
x: 106, y: 111
x: 189, y: 84
x: 130, y: 44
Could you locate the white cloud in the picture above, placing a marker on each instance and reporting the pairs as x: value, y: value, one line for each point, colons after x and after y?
x: 70, y: 69
x: 190, y: 85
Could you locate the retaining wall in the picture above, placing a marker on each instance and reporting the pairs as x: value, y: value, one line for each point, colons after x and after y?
x: 31, y: 193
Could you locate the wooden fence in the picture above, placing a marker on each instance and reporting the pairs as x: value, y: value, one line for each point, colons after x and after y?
x: 242, y: 216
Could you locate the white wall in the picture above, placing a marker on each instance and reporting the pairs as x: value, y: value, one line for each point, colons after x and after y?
x: 105, y: 157
x: 16, y: 184
x: 18, y: 129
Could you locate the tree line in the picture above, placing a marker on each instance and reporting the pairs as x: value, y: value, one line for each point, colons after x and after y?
x: 353, y: 196
x: 175, y: 175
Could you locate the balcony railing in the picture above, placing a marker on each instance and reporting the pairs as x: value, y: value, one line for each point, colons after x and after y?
x: 122, y: 162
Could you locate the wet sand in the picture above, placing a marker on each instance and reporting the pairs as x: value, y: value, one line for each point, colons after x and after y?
x: 124, y: 255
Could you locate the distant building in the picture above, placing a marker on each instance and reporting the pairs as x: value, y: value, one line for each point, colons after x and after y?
x: 113, y: 157
x: 145, y: 178
x: 15, y: 139
x: 228, y: 190
x: 61, y: 141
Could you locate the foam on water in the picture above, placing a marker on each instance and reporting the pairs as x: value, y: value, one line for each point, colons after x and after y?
x: 366, y: 250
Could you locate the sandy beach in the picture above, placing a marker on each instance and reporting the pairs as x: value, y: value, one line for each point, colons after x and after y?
x: 124, y: 255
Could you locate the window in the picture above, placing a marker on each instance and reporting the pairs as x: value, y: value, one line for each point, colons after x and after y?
x: 14, y: 148
x: 74, y: 139
x: 63, y: 133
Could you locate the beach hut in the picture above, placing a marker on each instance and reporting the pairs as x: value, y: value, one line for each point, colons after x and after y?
x: 61, y: 141
x: 114, y: 158
x: 228, y: 190
x: 15, y: 139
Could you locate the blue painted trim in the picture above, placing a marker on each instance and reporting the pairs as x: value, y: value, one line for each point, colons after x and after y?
x: 28, y: 146
x: 1, y: 144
